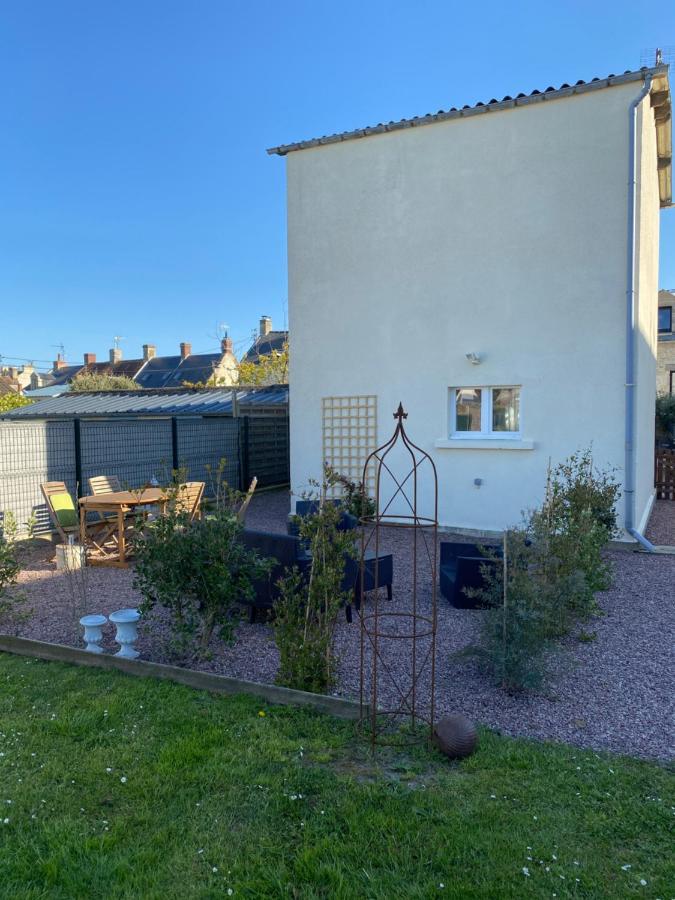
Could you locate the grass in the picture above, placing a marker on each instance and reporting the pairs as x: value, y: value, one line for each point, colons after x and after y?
x: 112, y: 786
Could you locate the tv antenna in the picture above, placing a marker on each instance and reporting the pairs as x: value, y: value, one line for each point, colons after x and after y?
x: 61, y: 348
x: 117, y: 339
x: 657, y: 56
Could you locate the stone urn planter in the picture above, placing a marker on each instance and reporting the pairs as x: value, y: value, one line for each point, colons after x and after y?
x: 92, y: 632
x: 126, y: 621
x: 70, y: 557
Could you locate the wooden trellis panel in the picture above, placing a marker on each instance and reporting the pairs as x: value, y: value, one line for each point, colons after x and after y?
x: 664, y: 476
x: 349, y: 435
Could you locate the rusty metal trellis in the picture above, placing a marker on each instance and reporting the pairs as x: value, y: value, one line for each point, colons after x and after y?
x: 413, y: 484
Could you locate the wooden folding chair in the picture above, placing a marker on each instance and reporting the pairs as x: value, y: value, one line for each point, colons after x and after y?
x: 65, y: 515
x: 104, y: 484
x: 241, y: 512
x: 189, y: 499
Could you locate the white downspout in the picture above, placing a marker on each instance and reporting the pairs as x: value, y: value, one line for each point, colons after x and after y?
x: 631, y: 325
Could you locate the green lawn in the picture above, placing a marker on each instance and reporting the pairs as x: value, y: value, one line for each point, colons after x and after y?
x: 112, y: 786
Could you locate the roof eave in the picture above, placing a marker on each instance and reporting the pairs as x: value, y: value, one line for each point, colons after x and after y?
x: 662, y: 107
x: 657, y: 73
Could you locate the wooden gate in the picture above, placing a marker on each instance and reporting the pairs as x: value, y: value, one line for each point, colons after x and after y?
x: 664, y: 474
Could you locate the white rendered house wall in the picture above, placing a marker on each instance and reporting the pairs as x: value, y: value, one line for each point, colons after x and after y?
x: 502, y: 234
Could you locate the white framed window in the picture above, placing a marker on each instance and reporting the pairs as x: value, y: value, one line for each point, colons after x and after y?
x: 485, y: 412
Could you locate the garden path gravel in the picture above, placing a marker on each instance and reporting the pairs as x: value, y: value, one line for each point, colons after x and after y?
x: 615, y: 692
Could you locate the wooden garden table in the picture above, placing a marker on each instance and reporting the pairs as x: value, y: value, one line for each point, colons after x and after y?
x: 117, y: 504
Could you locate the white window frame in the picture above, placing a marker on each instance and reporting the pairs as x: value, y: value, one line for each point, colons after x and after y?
x: 486, y: 433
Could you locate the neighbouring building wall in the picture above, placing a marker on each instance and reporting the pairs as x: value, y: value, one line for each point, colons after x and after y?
x: 647, y: 291
x: 665, y: 356
x: 502, y: 234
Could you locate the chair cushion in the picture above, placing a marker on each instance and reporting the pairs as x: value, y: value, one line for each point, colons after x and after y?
x: 64, y: 510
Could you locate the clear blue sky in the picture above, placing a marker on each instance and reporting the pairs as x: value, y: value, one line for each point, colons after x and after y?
x: 136, y: 197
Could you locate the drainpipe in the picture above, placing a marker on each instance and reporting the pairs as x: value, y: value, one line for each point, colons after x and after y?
x: 629, y: 486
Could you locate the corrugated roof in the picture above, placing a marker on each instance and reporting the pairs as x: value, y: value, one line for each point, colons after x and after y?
x: 658, y: 73
x: 212, y: 401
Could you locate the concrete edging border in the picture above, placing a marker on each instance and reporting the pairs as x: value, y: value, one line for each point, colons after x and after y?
x: 206, y: 681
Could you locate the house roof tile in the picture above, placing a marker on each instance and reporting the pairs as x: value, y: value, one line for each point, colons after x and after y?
x: 507, y: 102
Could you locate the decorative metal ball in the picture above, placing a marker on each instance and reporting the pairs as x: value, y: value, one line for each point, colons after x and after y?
x: 455, y: 736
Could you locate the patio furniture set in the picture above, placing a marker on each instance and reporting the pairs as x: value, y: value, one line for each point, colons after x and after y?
x: 107, y: 515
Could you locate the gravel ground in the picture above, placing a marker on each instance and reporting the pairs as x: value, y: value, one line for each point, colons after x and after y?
x: 661, y: 528
x: 615, y: 692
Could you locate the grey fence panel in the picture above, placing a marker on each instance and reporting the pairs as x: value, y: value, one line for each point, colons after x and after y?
x: 135, y: 450
x: 30, y: 454
x: 203, y: 442
x: 268, y: 450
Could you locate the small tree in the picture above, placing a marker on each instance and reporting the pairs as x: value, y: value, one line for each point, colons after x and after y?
x: 94, y: 381
x: 200, y: 571
x: 307, y: 611
x: 13, y: 401
x: 575, y: 523
x: 9, y: 571
x: 271, y: 368
x: 522, y: 601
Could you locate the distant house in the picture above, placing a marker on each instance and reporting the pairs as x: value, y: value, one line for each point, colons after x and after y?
x: 152, y: 371
x: 266, y: 342
x: 9, y: 385
x: 665, y: 358
x: 22, y: 378
x: 495, y: 268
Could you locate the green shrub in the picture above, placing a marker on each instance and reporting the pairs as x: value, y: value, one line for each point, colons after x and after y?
x: 307, y: 610
x: 94, y: 381
x: 516, y: 629
x: 13, y: 401
x: 575, y: 524
x: 554, y: 568
x: 9, y: 571
x: 354, y: 497
x: 200, y: 571
x: 665, y: 414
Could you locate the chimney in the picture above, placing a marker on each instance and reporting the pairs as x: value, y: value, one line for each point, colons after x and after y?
x: 185, y: 350
x: 265, y: 325
x: 226, y: 345
x: 149, y: 351
x: 115, y: 355
x: 59, y: 362
x: 89, y: 359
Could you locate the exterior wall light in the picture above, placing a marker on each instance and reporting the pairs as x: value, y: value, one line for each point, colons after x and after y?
x: 474, y: 358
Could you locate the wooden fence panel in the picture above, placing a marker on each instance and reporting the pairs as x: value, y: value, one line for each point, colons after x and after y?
x: 664, y: 474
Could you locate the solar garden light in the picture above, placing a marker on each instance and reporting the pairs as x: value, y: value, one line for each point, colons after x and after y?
x: 126, y: 621
x: 92, y: 632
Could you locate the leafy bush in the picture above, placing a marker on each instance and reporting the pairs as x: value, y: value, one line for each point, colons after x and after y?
x: 200, y: 571
x: 574, y: 524
x: 354, y: 497
x: 307, y: 610
x: 93, y: 381
x: 13, y: 401
x: 554, y: 567
x: 516, y: 629
x: 9, y: 571
x: 271, y: 368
